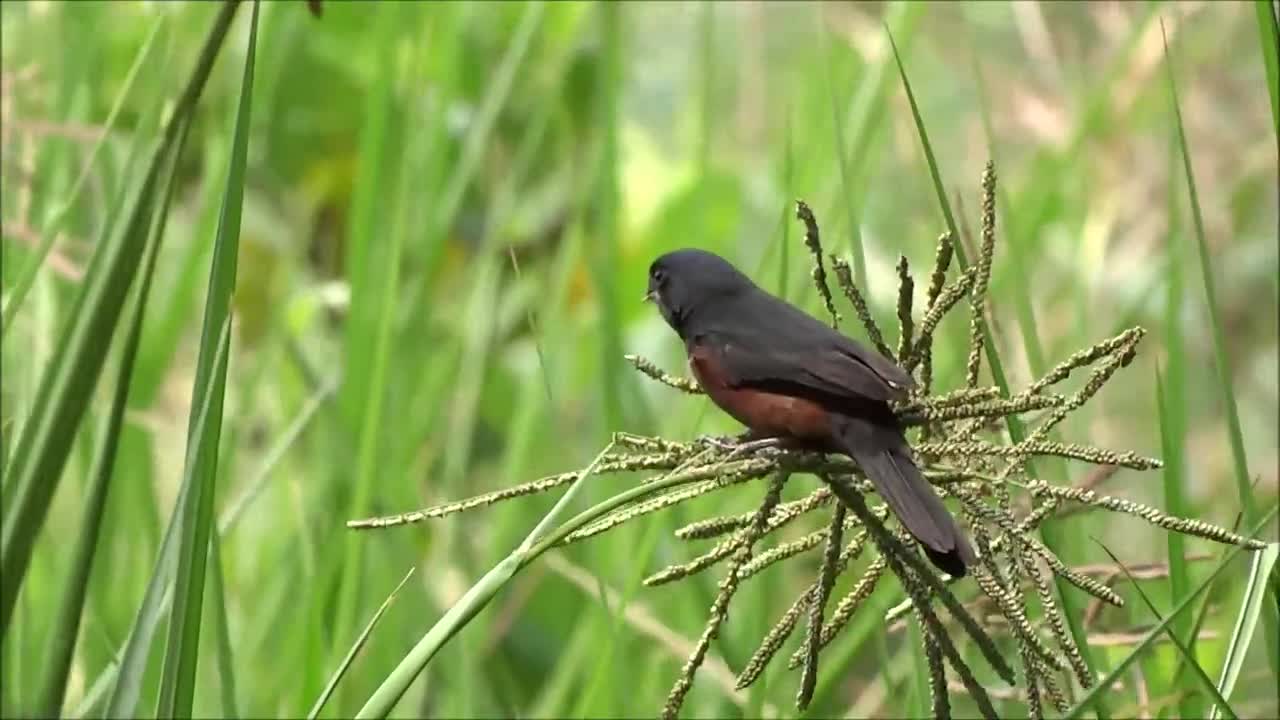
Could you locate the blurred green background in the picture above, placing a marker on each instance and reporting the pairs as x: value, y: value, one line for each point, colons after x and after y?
x: 449, y: 214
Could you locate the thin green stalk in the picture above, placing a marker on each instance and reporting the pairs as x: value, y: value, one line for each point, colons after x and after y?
x: 1222, y: 362
x: 177, y: 688
x: 63, y: 639
x: 1017, y: 431
x: 184, y: 520
x: 1104, y: 685
x: 27, y: 277
x: 355, y: 648
x: 66, y: 387
x: 842, y: 162
x: 1269, y: 39
x: 384, y: 699
x: 374, y: 271
x: 1183, y: 649
x: 217, y: 599
x: 1246, y: 622
x: 1171, y: 404
x: 1221, y: 358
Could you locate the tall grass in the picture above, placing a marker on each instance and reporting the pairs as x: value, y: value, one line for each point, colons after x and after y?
x: 440, y: 217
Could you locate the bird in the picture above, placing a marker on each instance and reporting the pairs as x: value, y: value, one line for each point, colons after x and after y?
x: 784, y: 374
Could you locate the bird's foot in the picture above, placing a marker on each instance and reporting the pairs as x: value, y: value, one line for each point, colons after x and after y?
x: 743, y: 444
x: 723, y: 442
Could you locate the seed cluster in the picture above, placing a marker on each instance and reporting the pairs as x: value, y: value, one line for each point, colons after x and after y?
x: 955, y: 448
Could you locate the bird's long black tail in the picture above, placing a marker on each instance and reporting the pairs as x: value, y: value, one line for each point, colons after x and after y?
x: 881, y: 450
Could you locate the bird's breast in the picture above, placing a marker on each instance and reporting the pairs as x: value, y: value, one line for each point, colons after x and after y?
x: 765, y: 413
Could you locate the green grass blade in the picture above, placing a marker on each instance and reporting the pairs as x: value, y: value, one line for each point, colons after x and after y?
x: 185, y: 520
x: 97, y: 692
x: 355, y: 648
x: 66, y: 387
x: 1201, y: 616
x: 155, y: 601
x: 1247, y: 621
x: 62, y: 641
x: 479, y: 135
x: 1172, y: 440
x: 842, y: 163
x: 384, y: 699
x: 1016, y: 429
x: 1183, y: 650
x: 788, y: 184
x: 373, y: 272
x: 222, y: 632
x: 1014, y: 424
x: 1104, y: 685
x: 1221, y: 360
x: 27, y: 277
x: 1171, y: 404
x: 605, y: 221
x: 1269, y: 37
x: 258, y: 482
x: 177, y: 687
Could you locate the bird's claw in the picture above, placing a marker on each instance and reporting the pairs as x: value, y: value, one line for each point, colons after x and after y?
x: 723, y: 442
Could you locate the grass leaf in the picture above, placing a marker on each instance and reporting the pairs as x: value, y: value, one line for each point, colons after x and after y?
x: 1222, y: 361
x: 1015, y: 427
x: 1269, y: 37
x: 66, y: 387
x: 49, y: 234
x: 355, y: 648
x: 1221, y: 357
x: 63, y: 638
x: 1247, y: 621
x: 393, y: 687
x: 1104, y: 685
x: 195, y: 515
x: 1183, y: 650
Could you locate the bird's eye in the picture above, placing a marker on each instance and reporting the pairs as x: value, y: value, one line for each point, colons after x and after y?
x: 658, y: 276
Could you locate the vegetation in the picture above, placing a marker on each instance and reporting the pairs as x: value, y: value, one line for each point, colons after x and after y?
x: 420, y: 234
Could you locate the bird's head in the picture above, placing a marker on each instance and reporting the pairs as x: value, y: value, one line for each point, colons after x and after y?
x: 682, y: 281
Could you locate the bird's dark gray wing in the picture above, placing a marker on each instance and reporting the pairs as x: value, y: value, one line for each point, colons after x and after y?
x: 781, y: 347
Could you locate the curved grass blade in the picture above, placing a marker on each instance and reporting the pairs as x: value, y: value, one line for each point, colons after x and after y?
x: 1172, y: 415
x: 1269, y: 36
x: 67, y: 625
x: 1183, y: 650
x: 384, y: 699
x: 1104, y: 685
x: 179, y: 659
x: 27, y: 277
x: 35, y: 468
x: 373, y: 274
x: 97, y: 692
x: 221, y: 630
x: 1017, y: 431
x: 177, y: 686
x: 155, y: 601
x: 1246, y: 622
x: 355, y: 648
x: 235, y: 510
x: 1221, y: 359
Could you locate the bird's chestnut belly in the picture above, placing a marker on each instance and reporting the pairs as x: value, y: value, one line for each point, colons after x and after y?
x: 764, y: 413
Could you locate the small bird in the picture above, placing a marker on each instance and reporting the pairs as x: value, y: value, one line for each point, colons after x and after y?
x: 786, y: 375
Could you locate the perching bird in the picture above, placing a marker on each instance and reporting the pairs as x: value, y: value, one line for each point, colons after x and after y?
x: 784, y: 374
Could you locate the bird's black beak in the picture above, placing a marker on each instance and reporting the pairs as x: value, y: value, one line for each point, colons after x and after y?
x: 651, y: 295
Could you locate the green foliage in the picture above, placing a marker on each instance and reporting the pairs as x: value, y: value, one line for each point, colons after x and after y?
x: 401, y: 162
